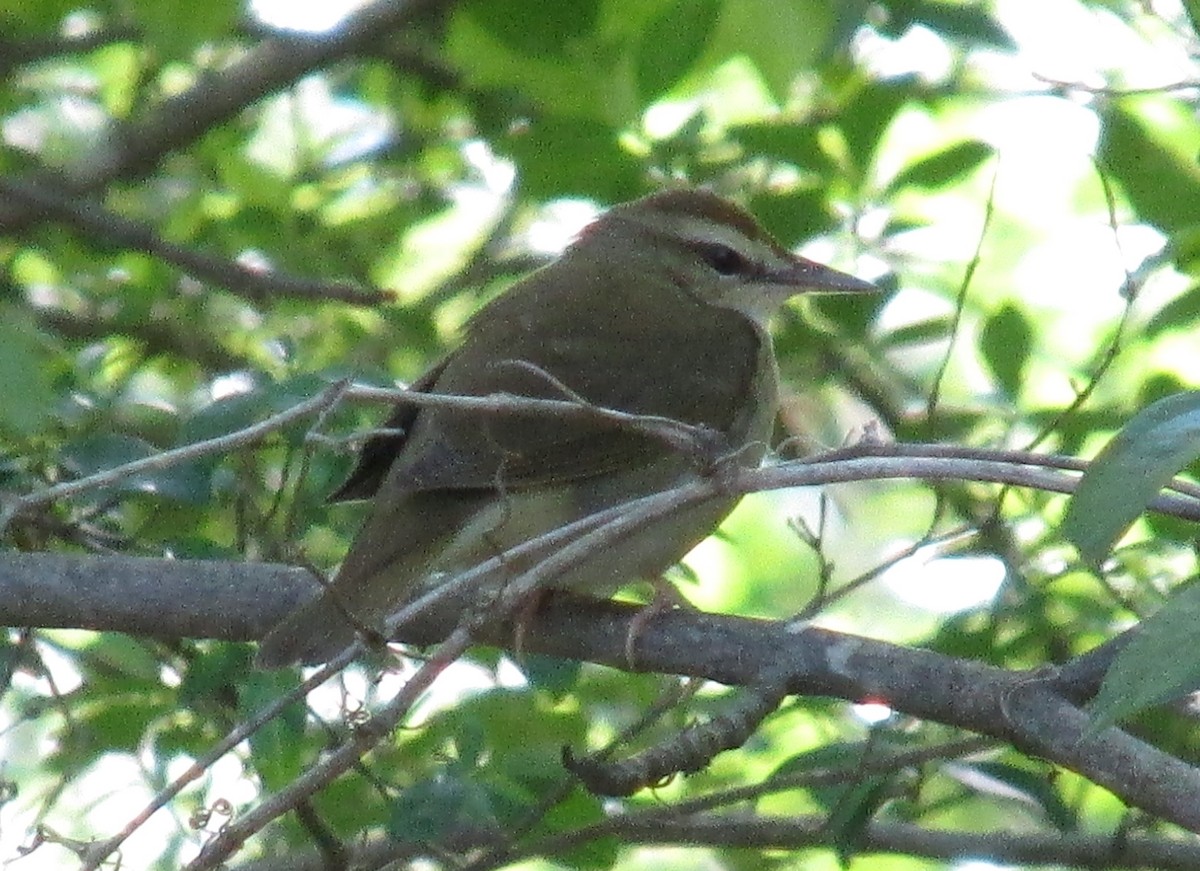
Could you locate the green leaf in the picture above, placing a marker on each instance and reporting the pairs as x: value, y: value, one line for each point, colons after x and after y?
x: 794, y: 216
x: 577, y: 810
x: 940, y: 169
x: 1180, y: 313
x: 559, y: 157
x: 1138, y: 462
x: 1154, y: 161
x: 447, y: 803
x: 672, y: 44
x: 185, y: 482
x: 966, y: 22
x: 1155, y: 665
x: 551, y: 674
x: 869, y: 114
x: 276, y: 748
x: 798, y: 144
x: 176, y: 36
x: 934, y: 329
x: 533, y: 28
x: 1005, y: 343
x: 1192, y: 9
x: 848, y: 820
x: 781, y: 40
x: 575, y: 74
x: 24, y: 361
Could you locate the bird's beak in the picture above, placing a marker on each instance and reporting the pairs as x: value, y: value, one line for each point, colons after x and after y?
x: 806, y: 275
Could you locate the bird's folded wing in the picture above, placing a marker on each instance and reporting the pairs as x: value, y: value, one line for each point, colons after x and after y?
x: 698, y: 369
x: 380, y: 451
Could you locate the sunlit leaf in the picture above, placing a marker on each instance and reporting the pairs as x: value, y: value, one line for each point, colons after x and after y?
x: 1160, y: 662
x: 1138, y: 462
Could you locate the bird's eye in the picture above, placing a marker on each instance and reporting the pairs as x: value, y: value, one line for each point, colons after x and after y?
x: 723, y: 259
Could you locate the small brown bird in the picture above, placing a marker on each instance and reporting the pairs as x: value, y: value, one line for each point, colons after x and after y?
x: 660, y: 307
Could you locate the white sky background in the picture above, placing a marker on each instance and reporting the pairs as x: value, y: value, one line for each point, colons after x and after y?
x: 1045, y: 148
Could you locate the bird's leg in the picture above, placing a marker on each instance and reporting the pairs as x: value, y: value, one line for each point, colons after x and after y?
x: 523, y: 619
x: 666, y: 598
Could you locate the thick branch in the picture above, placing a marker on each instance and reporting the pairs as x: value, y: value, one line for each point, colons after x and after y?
x: 1080, y: 851
x: 1017, y: 707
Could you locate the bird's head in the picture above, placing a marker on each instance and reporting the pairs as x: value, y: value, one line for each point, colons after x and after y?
x: 712, y: 250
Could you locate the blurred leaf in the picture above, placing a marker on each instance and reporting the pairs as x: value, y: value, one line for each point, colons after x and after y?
x: 102, y: 452
x: 794, y: 216
x: 534, y: 28
x: 276, y: 748
x: 971, y: 23
x: 780, y: 39
x: 672, y: 44
x: 935, y: 329
x: 119, y: 723
x: 25, y: 363
x: 449, y: 803
x: 591, y: 81
x: 1139, y: 461
x: 559, y: 157
x: 1192, y: 9
x: 551, y: 674
x: 175, y: 36
x: 798, y: 144
x: 944, y: 167
x: 211, y: 674
x: 22, y: 20
x: 1156, y: 664
x: 848, y: 820
x: 1155, y: 163
x: 1005, y: 343
x: 868, y: 115
x: 1180, y: 313
x: 577, y: 810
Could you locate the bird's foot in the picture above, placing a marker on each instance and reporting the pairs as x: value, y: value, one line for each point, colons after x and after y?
x: 666, y: 598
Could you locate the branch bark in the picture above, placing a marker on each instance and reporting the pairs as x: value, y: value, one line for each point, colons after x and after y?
x: 1034, y: 710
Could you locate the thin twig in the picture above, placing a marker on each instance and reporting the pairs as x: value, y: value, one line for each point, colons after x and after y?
x: 336, y: 763
x: 97, y: 223
x: 960, y: 302
x: 101, y: 850
x: 219, y: 445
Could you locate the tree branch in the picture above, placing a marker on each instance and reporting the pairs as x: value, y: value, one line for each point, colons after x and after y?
x: 1020, y: 707
x: 97, y: 224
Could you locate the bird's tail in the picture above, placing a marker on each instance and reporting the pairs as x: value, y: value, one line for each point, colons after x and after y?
x: 314, y: 633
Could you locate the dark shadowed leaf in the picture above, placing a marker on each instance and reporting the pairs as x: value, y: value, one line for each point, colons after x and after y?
x: 1005, y: 343
x: 673, y: 43
x: 1155, y: 163
x: 944, y: 167
x: 534, y: 28
x: 448, y: 804
x: 1180, y: 313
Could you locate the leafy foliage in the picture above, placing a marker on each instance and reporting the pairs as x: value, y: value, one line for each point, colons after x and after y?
x: 411, y: 161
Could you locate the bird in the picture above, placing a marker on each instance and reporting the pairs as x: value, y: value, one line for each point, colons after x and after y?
x: 658, y: 307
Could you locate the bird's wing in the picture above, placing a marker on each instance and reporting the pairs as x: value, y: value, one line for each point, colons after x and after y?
x: 698, y: 367
x: 380, y: 451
